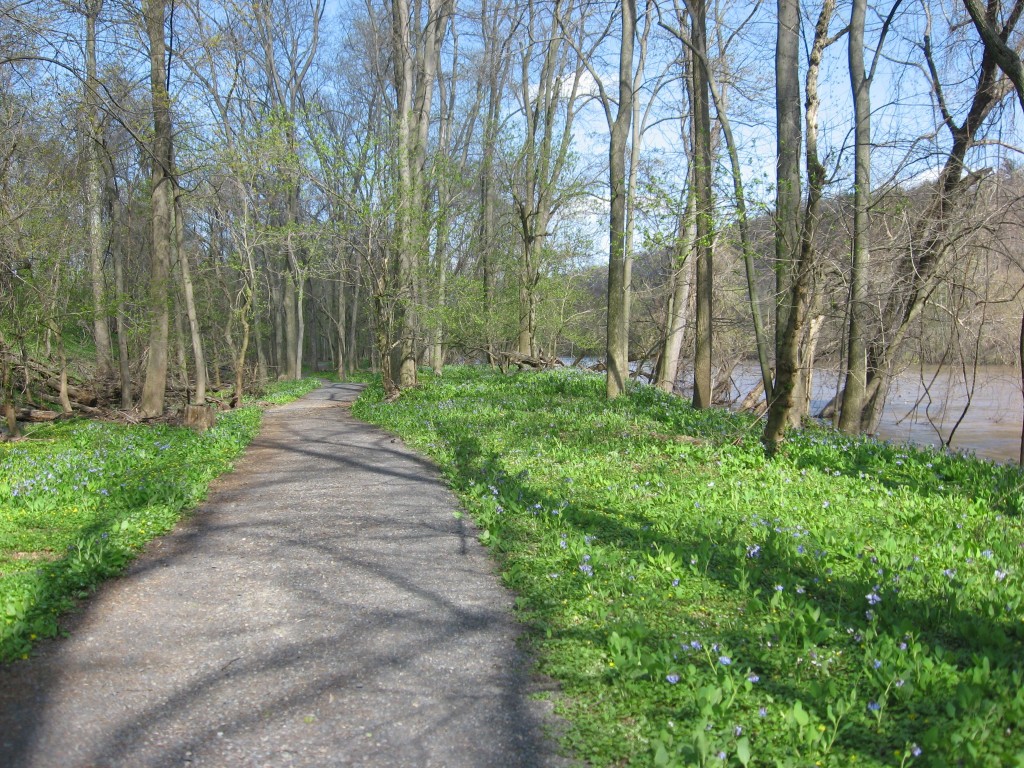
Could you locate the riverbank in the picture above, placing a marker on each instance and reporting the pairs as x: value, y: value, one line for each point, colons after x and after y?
x: 848, y: 601
x: 977, y: 411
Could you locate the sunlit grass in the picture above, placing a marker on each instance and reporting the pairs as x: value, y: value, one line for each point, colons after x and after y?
x: 850, y: 603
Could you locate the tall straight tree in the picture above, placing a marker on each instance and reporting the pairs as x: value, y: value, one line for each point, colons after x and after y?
x: 415, y: 61
x: 94, y: 196
x: 703, y: 196
x: 856, y: 354
x: 618, y: 287
x: 155, y: 386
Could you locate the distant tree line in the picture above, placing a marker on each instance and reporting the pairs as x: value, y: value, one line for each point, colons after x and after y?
x: 198, y: 196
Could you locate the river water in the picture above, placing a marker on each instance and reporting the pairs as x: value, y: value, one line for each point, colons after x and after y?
x: 925, y: 404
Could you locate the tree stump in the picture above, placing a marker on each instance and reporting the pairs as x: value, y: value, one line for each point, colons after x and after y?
x: 200, y: 417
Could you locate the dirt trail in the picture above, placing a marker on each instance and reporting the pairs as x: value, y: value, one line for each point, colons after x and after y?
x: 323, y: 607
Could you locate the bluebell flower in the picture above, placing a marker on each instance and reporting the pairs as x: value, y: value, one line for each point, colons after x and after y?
x: 874, y: 706
x: 673, y: 679
x: 725, y: 661
x: 753, y: 678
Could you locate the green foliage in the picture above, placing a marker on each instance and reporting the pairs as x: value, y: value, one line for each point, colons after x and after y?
x: 79, y: 499
x: 849, y: 603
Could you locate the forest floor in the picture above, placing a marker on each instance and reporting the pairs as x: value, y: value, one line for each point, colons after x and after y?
x: 327, y: 605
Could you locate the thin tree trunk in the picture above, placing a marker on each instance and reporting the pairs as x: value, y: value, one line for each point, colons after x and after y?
x: 124, y: 366
x: 675, y: 325
x: 353, y: 359
x: 93, y: 197
x: 703, y: 392
x: 341, y: 322
x: 856, y: 355
x: 199, y: 398
x: 291, y: 322
x: 179, y: 344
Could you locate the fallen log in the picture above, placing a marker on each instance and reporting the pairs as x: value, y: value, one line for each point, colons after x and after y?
x: 522, y: 361
x: 77, y: 394
x: 753, y: 398
x: 88, y: 410
x: 36, y: 414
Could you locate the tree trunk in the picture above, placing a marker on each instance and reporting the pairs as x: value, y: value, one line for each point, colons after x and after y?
x: 155, y: 386
x: 675, y: 316
x: 856, y: 355
x: 179, y: 345
x: 618, y: 289
x: 93, y: 197
x: 703, y: 394
x: 788, y: 141
x: 199, y: 358
x: 788, y: 389
x: 124, y: 367
x: 341, y: 321
x: 353, y: 360
x: 291, y: 322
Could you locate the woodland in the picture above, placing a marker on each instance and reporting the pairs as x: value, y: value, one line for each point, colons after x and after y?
x: 197, y: 198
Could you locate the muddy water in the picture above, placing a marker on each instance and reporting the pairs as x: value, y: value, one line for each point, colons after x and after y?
x: 925, y: 405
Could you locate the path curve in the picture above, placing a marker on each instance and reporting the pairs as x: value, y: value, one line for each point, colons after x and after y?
x: 323, y: 607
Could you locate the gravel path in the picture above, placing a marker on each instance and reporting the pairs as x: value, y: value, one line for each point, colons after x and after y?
x: 324, y: 607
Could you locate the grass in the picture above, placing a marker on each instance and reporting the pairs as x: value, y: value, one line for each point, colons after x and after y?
x: 848, y: 603
x: 79, y: 499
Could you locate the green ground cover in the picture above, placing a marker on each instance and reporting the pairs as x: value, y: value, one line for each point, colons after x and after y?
x: 848, y: 603
x: 80, y: 498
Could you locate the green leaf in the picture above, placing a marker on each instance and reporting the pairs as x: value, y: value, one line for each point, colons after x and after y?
x: 799, y: 715
x: 743, y: 751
